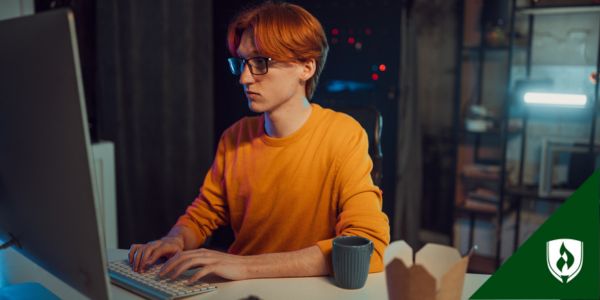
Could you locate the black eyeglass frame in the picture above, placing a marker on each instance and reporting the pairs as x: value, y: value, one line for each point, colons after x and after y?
x: 236, y: 65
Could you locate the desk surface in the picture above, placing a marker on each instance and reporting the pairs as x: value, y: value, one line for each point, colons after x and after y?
x: 296, y: 288
x: 16, y: 268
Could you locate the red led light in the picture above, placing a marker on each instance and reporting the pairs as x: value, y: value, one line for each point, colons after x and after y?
x: 351, y: 40
x: 374, y: 76
x: 335, y: 31
x: 382, y: 67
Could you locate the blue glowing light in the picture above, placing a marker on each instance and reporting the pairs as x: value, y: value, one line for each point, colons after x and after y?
x: 337, y: 86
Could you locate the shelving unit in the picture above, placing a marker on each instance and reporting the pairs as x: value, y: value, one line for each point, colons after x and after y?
x: 521, y: 191
x: 479, y: 149
x: 513, y: 119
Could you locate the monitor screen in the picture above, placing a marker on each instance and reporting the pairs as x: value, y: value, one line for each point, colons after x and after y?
x: 47, y: 199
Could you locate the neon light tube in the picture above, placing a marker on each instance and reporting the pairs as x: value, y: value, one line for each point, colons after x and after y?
x: 574, y: 100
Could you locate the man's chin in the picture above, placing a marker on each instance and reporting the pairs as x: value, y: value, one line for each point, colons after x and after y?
x: 255, y: 107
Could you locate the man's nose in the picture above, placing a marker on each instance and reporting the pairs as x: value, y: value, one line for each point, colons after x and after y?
x: 246, y: 77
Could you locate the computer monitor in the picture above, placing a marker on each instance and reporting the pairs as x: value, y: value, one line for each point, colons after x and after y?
x: 47, y: 197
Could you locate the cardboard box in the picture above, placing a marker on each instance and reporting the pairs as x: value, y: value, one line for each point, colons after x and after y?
x: 436, y: 273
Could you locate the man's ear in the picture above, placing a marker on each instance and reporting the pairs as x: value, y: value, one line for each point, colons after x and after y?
x: 308, y: 69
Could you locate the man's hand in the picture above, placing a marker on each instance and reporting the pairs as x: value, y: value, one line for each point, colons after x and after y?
x: 228, y: 266
x: 300, y: 263
x: 143, y: 255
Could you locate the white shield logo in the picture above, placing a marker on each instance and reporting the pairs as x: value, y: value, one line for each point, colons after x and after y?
x: 564, y: 258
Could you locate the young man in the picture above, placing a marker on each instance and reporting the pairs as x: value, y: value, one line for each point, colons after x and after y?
x: 287, y: 182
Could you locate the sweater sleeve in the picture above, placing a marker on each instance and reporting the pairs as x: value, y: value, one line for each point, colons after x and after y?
x: 209, y: 210
x: 360, y: 202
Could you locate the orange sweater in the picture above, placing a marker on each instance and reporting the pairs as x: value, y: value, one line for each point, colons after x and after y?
x: 285, y: 194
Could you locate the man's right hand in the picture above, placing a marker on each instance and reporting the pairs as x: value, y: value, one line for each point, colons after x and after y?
x: 143, y: 255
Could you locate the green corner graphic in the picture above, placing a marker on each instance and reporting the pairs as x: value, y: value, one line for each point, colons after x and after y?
x: 561, y: 259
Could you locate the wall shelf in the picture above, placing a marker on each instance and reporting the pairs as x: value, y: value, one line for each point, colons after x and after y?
x: 531, y: 193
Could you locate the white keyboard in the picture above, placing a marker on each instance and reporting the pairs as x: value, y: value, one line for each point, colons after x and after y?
x: 150, y: 285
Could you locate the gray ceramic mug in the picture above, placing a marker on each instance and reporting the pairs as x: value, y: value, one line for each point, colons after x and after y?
x: 351, y: 257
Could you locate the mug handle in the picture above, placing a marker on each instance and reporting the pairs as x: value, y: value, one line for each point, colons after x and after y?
x: 372, y: 247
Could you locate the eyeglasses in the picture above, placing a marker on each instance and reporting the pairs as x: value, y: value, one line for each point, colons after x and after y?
x: 258, y: 65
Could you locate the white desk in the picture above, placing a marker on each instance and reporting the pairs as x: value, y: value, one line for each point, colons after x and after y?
x: 21, y: 269
x: 297, y: 288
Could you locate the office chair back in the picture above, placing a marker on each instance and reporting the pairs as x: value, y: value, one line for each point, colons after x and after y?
x: 372, y: 121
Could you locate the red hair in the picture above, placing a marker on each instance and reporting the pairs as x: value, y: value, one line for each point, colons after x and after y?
x: 284, y: 32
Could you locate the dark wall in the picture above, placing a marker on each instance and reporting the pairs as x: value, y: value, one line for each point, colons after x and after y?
x: 155, y: 101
